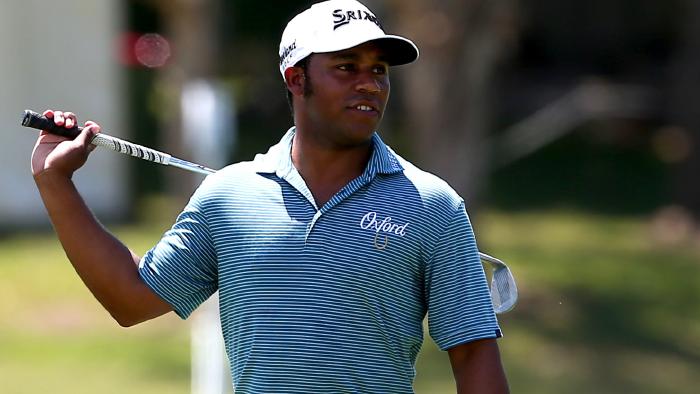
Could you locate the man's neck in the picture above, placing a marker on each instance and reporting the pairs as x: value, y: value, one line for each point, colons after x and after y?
x: 326, y: 170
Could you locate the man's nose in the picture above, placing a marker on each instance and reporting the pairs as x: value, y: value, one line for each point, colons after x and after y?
x: 370, y: 83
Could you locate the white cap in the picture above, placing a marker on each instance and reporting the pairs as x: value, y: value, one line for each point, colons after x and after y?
x: 336, y: 25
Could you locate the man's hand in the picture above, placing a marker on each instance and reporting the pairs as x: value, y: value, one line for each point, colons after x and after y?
x: 59, y: 154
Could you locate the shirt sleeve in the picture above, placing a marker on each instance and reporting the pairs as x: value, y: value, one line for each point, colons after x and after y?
x: 457, y: 295
x: 182, y: 267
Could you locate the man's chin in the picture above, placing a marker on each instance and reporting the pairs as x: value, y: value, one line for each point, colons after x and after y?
x: 364, y: 123
x: 358, y: 138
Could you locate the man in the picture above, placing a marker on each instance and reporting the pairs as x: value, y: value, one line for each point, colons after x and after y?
x: 327, y: 251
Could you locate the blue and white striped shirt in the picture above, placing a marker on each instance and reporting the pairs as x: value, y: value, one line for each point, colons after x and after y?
x: 329, y: 299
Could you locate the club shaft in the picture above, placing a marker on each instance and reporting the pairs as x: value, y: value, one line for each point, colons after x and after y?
x: 189, y: 166
x: 37, y: 121
x: 142, y: 152
x: 491, y: 260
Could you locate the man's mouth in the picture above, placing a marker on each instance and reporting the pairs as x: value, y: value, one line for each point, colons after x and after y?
x: 364, y: 108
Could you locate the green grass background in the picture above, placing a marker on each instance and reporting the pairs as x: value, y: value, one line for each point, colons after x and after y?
x: 604, y: 308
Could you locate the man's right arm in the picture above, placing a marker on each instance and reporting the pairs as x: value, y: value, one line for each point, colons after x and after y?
x: 106, y: 266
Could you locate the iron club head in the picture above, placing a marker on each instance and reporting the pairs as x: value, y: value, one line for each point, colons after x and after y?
x: 504, y: 292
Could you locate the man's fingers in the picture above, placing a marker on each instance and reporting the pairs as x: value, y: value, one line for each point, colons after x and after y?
x: 66, y: 119
x: 70, y: 120
x: 94, y: 129
x: 58, y: 118
x: 88, y: 133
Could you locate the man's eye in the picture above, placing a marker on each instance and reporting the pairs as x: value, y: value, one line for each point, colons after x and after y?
x: 346, y: 67
x: 380, y: 70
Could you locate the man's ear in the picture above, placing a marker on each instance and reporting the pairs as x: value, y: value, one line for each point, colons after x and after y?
x: 294, y: 78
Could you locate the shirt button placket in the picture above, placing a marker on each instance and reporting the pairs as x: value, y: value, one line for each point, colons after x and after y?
x: 310, y: 226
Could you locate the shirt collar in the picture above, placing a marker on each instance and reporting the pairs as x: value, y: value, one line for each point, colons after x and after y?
x: 278, y: 158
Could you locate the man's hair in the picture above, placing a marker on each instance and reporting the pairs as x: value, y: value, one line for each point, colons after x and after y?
x: 304, y: 64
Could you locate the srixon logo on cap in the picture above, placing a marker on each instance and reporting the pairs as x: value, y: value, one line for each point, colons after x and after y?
x: 287, y: 51
x: 343, y: 17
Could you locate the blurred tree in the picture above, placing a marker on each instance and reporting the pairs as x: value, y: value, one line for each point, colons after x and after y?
x: 251, y: 66
x: 191, y: 26
x: 448, y: 93
x: 485, y: 65
x: 685, y: 85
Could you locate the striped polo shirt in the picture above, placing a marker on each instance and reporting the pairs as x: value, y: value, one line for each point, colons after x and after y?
x: 326, y: 299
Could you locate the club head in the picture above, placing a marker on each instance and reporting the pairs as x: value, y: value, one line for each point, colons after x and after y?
x: 504, y: 292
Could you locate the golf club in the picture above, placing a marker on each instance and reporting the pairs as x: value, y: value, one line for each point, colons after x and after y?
x: 37, y: 121
x: 504, y: 293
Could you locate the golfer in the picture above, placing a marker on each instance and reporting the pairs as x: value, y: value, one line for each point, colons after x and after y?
x: 328, y: 251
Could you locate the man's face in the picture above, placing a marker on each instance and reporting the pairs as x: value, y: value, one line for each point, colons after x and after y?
x: 349, y: 92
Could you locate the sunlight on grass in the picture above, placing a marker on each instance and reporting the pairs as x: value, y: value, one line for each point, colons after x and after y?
x: 597, y: 293
x: 51, y: 327
x: 603, y: 309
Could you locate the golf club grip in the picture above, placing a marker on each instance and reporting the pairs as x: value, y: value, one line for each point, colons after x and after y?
x: 37, y: 121
x: 129, y: 148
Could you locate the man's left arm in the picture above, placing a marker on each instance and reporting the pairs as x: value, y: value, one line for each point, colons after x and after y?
x: 477, y: 368
x: 461, y: 318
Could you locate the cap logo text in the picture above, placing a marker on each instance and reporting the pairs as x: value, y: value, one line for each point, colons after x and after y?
x: 287, y: 50
x: 343, y: 17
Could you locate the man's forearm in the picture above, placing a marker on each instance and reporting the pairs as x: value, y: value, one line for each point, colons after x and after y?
x: 477, y: 368
x: 106, y: 266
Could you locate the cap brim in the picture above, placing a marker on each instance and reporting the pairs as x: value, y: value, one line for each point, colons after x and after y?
x: 398, y: 50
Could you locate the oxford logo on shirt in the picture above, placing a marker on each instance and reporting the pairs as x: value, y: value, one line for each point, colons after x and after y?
x: 382, y: 227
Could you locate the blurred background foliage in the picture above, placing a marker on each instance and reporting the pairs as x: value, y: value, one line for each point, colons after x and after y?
x: 571, y: 128
x: 524, y: 103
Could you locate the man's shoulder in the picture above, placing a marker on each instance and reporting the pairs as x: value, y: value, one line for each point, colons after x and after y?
x: 241, y: 168
x: 238, y: 170
x: 239, y: 176
x: 430, y: 186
